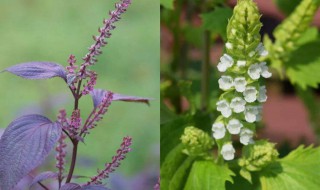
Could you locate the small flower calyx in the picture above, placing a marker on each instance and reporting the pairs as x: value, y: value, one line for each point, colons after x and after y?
x: 196, y: 142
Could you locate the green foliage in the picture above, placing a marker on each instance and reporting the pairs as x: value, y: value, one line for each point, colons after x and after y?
x: 179, y: 178
x: 171, y: 164
x: 206, y: 175
x: 302, y: 63
x: 167, y: 3
x: 287, y: 6
x: 289, y: 31
x: 297, y: 171
x: 172, y: 130
x: 216, y: 21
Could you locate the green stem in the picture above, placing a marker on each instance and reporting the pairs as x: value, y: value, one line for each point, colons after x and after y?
x: 205, y: 71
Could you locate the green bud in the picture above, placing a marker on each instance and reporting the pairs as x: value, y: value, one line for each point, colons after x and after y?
x: 196, y: 142
x: 243, y: 29
x: 258, y: 155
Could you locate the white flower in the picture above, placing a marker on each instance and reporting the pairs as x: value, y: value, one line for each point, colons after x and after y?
x: 264, y: 70
x: 246, y: 136
x: 240, y: 84
x: 218, y: 130
x: 251, y: 113
x: 250, y: 94
x: 241, y: 63
x: 226, y: 61
x: 254, y: 71
x: 228, y: 151
x: 238, y: 104
x: 262, y: 97
x: 225, y: 82
x: 224, y: 108
x: 234, y: 126
x: 229, y: 45
x: 261, y: 50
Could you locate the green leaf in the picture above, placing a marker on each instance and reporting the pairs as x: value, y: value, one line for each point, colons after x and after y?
x: 287, y: 6
x: 304, y: 65
x: 167, y: 3
x: 309, y: 35
x: 206, y: 175
x: 170, y: 165
x: 181, y: 175
x: 246, y: 175
x: 216, y: 21
x: 297, y: 171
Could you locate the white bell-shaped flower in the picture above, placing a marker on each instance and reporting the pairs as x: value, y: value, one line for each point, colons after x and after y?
x: 229, y: 45
x: 264, y: 70
x: 225, y: 82
x: 224, y: 107
x: 262, y: 97
x: 246, y: 136
x: 218, y: 130
x: 238, y: 104
x: 228, y: 151
x: 226, y: 61
x: 261, y: 50
x: 250, y: 94
x: 251, y: 113
x: 254, y: 71
x: 241, y: 63
x: 234, y: 126
x: 240, y: 84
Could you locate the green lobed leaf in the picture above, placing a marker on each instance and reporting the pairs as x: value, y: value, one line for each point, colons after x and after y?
x: 167, y: 3
x: 216, y: 21
x: 297, y: 171
x: 304, y: 65
x: 170, y: 165
x: 206, y: 175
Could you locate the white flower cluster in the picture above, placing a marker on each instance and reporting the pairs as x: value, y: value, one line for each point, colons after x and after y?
x: 242, y: 106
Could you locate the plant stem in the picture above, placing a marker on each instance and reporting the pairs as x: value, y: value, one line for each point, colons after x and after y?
x: 205, y: 71
x: 43, y: 186
x: 73, y: 160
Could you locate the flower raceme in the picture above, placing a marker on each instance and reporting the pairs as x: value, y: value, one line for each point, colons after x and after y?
x: 241, y: 68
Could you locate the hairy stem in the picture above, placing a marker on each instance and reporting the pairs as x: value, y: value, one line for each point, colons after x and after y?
x: 205, y: 71
x: 73, y: 160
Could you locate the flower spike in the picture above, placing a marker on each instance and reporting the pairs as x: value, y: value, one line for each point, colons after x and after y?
x: 240, y: 104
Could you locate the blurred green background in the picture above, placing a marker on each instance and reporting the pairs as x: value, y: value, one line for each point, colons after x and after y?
x: 37, y: 30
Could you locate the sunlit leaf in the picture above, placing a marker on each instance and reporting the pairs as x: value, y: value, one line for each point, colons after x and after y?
x: 43, y: 176
x: 299, y: 170
x: 206, y: 175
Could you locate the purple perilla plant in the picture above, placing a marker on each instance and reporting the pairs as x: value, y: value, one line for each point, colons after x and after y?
x: 28, y: 140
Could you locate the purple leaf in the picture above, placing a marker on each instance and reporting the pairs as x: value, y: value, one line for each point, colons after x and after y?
x: 98, y: 95
x: 24, y: 145
x: 70, y: 186
x: 43, y: 176
x: 38, y: 70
